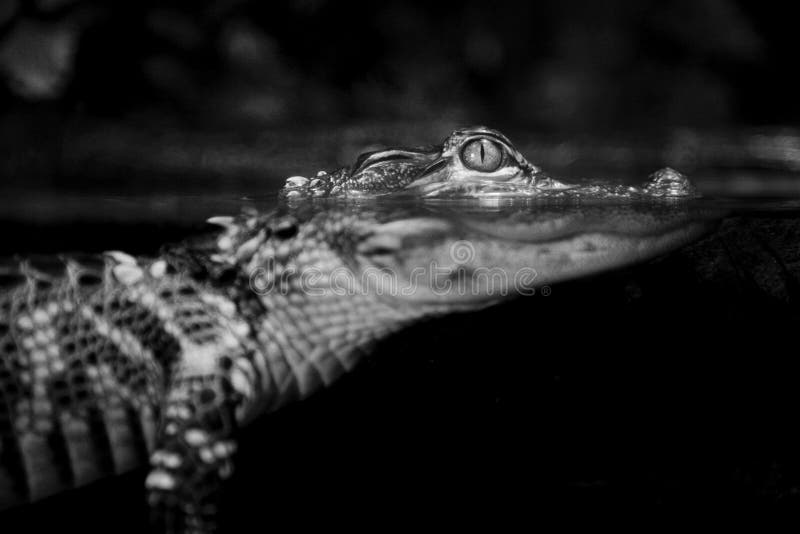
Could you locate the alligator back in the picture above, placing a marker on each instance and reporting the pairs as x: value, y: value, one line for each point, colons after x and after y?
x: 80, y: 384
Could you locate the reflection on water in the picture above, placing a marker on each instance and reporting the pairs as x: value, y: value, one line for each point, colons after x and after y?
x: 65, y: 207
x: 130, y: 173
x: 158, y: 217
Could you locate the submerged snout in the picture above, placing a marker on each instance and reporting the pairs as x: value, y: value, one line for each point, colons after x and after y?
x: 464, y: 260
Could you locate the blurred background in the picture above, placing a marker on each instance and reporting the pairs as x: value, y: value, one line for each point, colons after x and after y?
x: 568, y: 65
x: 255, y: 91
x: 123, y: 123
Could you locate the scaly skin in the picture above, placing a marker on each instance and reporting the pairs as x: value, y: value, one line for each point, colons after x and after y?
x: 115, y: 358
x: 477, y: 156
x: 108, y: 361
x: 475, y: 162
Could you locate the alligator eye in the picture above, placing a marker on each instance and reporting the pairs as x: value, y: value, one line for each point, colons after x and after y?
x: 482, y: 155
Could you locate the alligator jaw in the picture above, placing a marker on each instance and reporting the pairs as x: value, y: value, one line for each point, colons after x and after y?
x: 452, y: 263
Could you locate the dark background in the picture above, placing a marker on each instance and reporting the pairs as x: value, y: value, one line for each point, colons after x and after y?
x: 233, y: 96
x: 568, y: 65
x: 638, y: 397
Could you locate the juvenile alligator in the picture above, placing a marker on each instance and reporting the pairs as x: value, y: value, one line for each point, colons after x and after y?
x: 476, y: 157
x: 108, y: 361
x: 472, y: 162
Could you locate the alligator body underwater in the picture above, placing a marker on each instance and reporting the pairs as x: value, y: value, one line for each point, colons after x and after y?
x: 110, y: 362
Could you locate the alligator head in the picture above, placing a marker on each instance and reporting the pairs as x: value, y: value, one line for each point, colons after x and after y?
x: 470, y: 157
x: 345, y: 276
x: 475, y: 162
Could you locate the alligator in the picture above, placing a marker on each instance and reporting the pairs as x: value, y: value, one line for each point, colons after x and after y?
x: 109, y: 362
x: 469, y: 157
x: 476, y: 162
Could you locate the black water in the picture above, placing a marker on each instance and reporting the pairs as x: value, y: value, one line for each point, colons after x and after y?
x: 634, y: 397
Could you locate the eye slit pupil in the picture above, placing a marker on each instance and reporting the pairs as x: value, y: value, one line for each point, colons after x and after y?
x: 482, y: 155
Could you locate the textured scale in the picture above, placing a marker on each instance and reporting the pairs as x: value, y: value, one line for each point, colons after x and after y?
x: 424, y: 171
x: 109, y: 362
x: 80, y: 383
